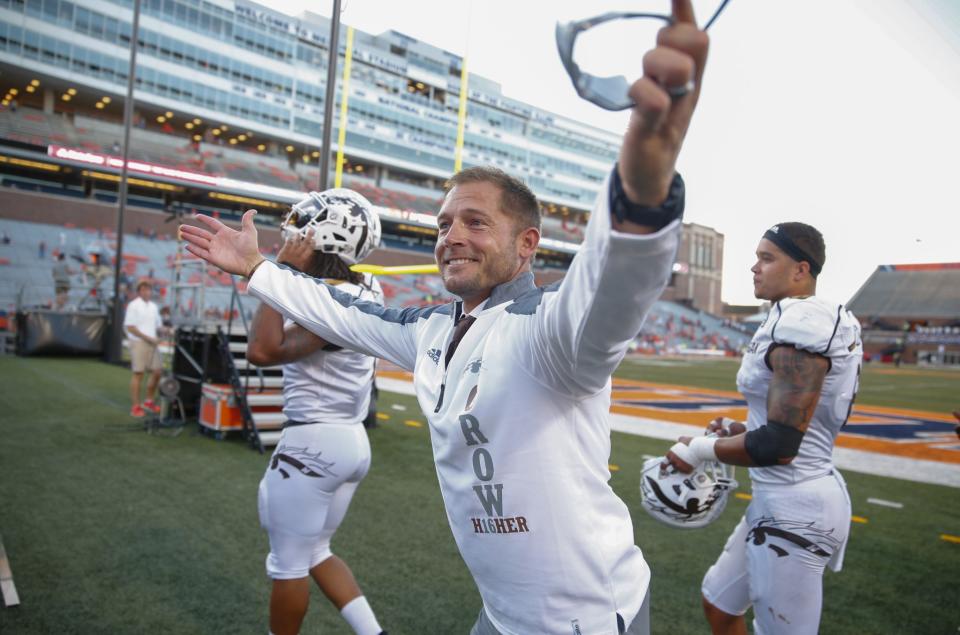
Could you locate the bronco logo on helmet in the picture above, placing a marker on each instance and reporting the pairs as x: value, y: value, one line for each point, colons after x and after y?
x: 685, y: 500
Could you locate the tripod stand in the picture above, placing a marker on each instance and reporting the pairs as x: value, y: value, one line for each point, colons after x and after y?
x: 165, y: 423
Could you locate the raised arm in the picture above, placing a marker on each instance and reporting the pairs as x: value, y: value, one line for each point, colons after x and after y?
x: 794, y: 392
x: 270, y: 342
x: 659, y: 121
x: 623, y: 266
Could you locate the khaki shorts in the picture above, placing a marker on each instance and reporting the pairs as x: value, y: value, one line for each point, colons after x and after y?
x: 144, y: 356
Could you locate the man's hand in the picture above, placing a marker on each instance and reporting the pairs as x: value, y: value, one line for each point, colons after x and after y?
x: 658, y: 123
x: 725, y: 427
x: 298, y: 252
x: 680, y: 463
x: 233, y: 251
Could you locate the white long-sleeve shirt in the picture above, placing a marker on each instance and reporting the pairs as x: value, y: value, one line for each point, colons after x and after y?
x: 519, y: 422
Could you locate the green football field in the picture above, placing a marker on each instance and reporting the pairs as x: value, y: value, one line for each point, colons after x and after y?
x: 111, y: 530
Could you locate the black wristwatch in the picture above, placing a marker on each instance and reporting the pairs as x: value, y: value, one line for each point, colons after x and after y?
x: 624, y: 209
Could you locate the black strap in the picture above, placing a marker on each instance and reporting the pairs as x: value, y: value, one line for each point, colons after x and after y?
x: 464, y: 322
x: 290, y: 423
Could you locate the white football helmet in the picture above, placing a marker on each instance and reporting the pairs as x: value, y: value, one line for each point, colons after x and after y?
x: 685, y: 500
x: 343, y: 223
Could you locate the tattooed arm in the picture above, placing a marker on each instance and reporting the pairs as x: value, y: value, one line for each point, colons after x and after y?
x: 270, y: 343
x: 792, y: 398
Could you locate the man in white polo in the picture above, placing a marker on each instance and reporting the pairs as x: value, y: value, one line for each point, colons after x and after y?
x: 142, y: 324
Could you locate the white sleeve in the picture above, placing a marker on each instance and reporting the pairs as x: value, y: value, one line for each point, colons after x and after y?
x: 583, y: 330
x: 337, y: 316
x: 808, y: 326
x: 131, y: 317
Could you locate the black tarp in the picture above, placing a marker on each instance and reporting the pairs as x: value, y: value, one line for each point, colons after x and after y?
x: 43, y: 332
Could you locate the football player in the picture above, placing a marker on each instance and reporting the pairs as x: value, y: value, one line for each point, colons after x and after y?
x: 323, y: 452
x: 799, y: 377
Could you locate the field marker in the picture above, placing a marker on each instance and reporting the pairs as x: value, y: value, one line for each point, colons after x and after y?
x: 399, y: 407
x: 859, y: 519
x: 382, y: 416
x: 949, y: 538
x: 7, y: 588
x: 647, y: 456
x: 613, y: 468
x: 743, y: 496
x: 413, y: 423
x: 883, y: 503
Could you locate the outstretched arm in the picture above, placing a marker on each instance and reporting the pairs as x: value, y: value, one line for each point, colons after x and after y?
x: 794, y: 392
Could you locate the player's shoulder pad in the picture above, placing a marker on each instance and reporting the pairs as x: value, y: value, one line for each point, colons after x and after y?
x: 809, y: 324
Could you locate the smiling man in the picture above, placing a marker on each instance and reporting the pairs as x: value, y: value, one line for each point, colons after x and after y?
x: 514, y: 380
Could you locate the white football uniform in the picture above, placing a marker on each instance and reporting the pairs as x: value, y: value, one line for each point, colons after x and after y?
x: 319, y: 462
x: 799, y: 518
x: 519, y: 422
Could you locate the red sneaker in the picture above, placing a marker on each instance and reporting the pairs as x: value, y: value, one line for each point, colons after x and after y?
x: 151, y: 406
x: 137, y: 412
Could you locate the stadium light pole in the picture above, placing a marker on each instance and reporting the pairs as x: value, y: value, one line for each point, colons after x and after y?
x: 115, y: 345
x: 333, y: 52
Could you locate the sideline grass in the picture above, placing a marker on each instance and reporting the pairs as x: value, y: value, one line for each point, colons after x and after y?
x: 914, y: 388
x: 110, y: 530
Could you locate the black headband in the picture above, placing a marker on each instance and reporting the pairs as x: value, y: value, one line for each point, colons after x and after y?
x: 790, y: 248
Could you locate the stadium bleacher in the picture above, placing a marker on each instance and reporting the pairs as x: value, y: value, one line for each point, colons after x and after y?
x: 26, y: 280
x: 212, y: 156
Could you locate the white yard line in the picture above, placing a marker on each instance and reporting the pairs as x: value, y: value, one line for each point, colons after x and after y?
x: 918, y: 470
x: 883, y: 503
x: 7, y: 588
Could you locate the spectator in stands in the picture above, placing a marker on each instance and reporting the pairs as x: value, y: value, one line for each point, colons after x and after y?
x: 5, y: 238
x: 143, y: 325
x: 42, y: 250
x: 115, y: 148
x: 61, y: 280
x: 98, y: 272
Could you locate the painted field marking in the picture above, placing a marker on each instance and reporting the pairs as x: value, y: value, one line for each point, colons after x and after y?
x: 382, y: 416
x: 949, y: 538
x: 859, y: 519
x: 7, y: 588
x: 413, y: 423
x: 743, y: 496
x: 646, y: 457
x: 399, y: 407
x: 613, y: 468
x: 883, y: 503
